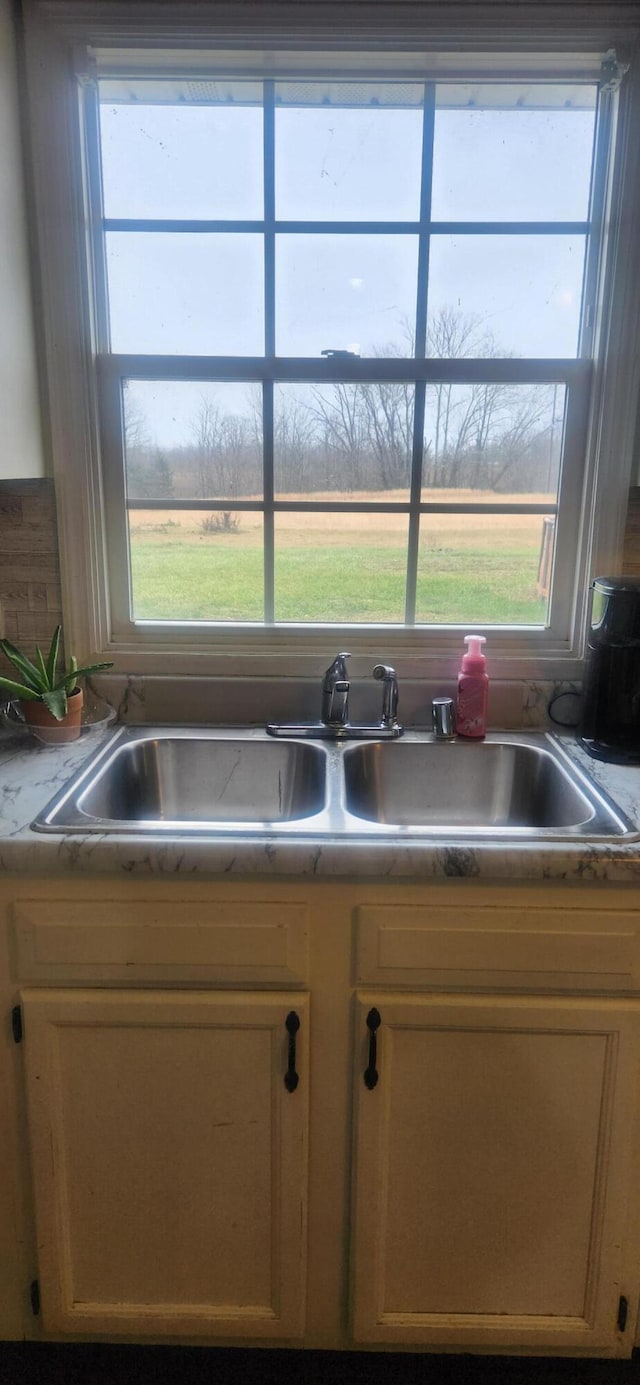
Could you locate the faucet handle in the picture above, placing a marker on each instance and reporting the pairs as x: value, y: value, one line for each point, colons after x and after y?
x: 443, y: 717
x: 336, y: 672
x: 335, y: 693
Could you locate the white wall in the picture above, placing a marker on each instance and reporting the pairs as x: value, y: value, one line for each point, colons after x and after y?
x: 21, y: 450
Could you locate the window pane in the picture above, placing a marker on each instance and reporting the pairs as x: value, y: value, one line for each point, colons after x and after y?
x: 492, y: 440
x: 182, y: 161
x: 338, y: 441
x: 185, y: 294
x: 192, y: 440
x: 515, y: 295
x: 513, y: 163
x: 348, y: 164
x: 355, y: 293
x: 190, y: 565
x: 340, y: 567
x: 484, y: 569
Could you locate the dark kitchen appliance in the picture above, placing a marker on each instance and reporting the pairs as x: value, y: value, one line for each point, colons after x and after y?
x: 610, y: 725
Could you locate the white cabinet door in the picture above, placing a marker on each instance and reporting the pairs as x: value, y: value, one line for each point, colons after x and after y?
x: 492, y: 1171
x: 169, y: 1160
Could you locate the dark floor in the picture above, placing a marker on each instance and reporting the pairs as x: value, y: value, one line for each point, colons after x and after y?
x: 38, y: 1364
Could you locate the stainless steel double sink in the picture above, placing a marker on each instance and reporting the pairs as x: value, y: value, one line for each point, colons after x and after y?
x: 205, y: 781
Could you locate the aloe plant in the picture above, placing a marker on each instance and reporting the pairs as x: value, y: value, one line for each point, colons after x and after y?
x: 41, y: 681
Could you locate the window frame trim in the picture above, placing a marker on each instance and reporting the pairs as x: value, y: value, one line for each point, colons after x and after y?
x: 69, y: 317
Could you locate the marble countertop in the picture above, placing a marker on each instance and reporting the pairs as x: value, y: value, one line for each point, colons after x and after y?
x: 31, y: 774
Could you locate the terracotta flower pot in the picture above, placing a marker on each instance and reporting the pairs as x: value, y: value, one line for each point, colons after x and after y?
x: 43, y: 724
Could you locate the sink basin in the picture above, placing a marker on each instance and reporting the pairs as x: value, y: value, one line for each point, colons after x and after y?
x: 195, y: 780
x: 219, y: 780
x: 493, y: 786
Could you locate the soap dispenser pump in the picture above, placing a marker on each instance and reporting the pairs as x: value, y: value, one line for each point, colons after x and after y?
x: 473, y: 690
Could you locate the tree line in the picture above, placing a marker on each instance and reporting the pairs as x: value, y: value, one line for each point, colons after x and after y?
x: 359, y: 437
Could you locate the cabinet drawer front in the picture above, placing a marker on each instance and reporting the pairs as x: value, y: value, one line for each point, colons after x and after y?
x: 563, y: 948
x: 119, y: 940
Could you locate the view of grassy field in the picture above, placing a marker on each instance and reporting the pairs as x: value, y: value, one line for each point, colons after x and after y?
x: 473, y: 569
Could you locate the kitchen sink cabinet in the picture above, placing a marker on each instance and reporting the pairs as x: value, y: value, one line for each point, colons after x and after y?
x: 480, y: 1195
x: 492, y: 1167
x: 169, y: 1151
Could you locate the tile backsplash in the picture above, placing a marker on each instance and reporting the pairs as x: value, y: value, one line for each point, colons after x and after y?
x: 30, y: 605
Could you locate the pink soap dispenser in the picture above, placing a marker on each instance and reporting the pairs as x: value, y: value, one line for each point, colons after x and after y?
x: 473, y: 690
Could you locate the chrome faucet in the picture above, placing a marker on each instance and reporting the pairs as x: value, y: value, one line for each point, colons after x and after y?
x: 335, y: 693
x: 334, y: 714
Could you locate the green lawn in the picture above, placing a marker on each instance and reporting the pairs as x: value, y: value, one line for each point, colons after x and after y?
x: 175, y: 579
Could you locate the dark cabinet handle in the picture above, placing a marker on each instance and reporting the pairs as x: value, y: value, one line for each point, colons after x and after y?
x: 292, y: 1025
x: 371, y: 1072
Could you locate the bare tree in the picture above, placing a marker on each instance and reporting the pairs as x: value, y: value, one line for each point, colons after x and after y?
x: 388, y: 411
x: 232, y: 459
x: 294, y: 444
x: 207, y: 431
x: 350, y: 437
x: 389, y: 414
x: 342, y: 434
x: 136, y: 428
x: 137, y: 446
x: 481, y: 432
x: 453, y: 335
x: 526, y: 426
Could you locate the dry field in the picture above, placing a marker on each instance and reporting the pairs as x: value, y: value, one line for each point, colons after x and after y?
x: 316, y: 529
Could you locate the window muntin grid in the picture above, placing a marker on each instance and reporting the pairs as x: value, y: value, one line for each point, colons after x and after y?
x: 267, y: 372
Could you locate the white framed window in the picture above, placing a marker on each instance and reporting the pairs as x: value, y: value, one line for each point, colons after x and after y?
x: 347, y: 320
